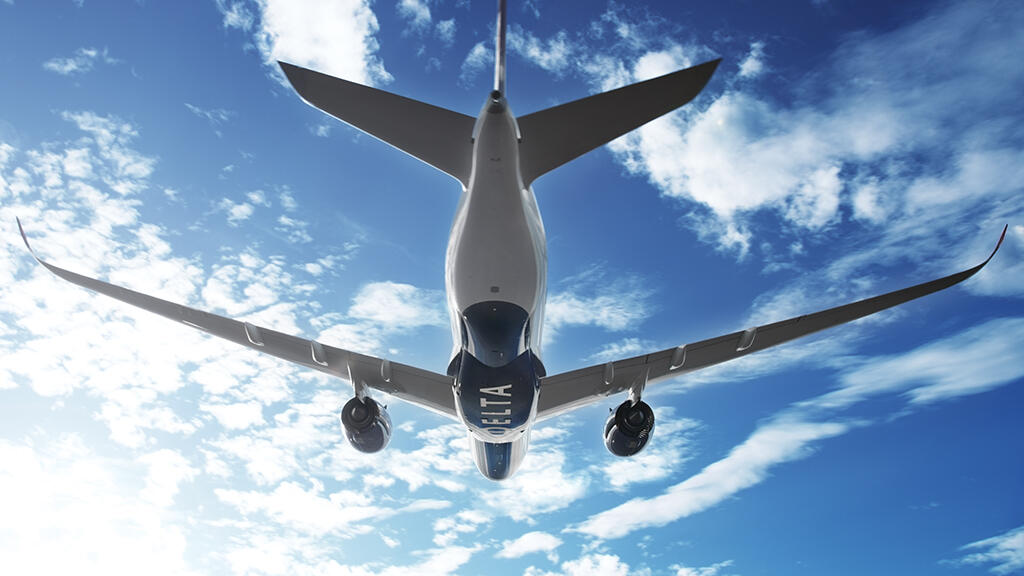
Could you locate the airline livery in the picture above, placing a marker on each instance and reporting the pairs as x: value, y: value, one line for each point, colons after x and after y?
x: 496, y: 272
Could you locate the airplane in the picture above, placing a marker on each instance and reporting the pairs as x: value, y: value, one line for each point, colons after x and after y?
x: 496, y: 272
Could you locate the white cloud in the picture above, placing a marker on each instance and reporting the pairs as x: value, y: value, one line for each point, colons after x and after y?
x: 554, y: 55
x: 478, y: 59
x: 236, y: 14
x: 617, y: 304
x: 941, y: 370
x: 398, y: 306
x: 333, y: 37
x: 857, y: 149
x: 237, y: 212
x: 712, y: 570
x: 588, y: 565
x: 753, y: 65
x: 543, y: 484
x: 215, y: 117
x: 238, y: 416
x: 293, y: 229
x: 446, y: 31
x: 83, y: 61
x: 415, y: 12
x: 68, y: 510
x: 308, y: 511
x: 1005, y: 552
x: 287, y: 200
x: 746, y: 465
x: 167, y: 469
x: 530, y: 543
x: 624, y: 348
x: 322, y: 130
x: 452, y: 528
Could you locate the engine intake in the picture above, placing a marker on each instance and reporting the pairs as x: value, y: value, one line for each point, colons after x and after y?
x: 367, y: 425
x: 629, y: 428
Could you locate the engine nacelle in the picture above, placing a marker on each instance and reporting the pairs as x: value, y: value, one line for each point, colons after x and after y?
x: 367, y: 425
x: 629, y: 428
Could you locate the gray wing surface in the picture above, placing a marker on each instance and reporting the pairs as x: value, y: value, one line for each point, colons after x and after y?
x: 420, y: 387
x: 556, y: 135
x: 563, y: 392
x: 435, y: 135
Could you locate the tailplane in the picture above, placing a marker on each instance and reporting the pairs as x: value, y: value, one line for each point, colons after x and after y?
x: 437, y: 136
x: 557, y: 135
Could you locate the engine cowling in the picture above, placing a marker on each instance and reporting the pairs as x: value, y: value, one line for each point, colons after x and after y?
x: 629, y: 428
x: 367, y: 425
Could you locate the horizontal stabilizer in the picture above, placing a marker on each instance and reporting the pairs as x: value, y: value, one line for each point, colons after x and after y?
x: 437, y: 136
x: 557, y: 135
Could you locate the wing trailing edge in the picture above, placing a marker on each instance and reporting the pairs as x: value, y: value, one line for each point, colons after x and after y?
x: 556, y: 135
x: 438, y: 136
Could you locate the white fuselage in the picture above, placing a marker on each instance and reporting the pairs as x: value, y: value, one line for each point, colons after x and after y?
x: 497, y: 253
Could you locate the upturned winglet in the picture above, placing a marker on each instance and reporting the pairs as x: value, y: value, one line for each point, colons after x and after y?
x: 27, y: 245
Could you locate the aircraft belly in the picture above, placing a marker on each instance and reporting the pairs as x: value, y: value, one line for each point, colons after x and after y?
x: 497, y: 252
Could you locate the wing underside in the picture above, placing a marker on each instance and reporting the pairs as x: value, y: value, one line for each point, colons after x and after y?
x: 563, y: 392
x: 421, y: 387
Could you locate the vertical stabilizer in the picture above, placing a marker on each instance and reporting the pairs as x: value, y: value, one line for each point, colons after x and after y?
x: 499, y: 50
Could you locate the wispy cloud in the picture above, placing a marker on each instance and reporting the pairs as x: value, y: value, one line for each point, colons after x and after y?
x: 415, y: 12
x: 1003, y: 553
x: 587, y: 565
x: 753, y: 64
x: 712, y: 570
x: 446, y: 31
x: 553, y: 55
x: 215, y: 117
x: 939, y: 371
x: 84, y: 60
x: 746, y: 465
x: 614, y: 304
x: 477, y: 60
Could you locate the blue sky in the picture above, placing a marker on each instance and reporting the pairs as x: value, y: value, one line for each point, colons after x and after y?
x: 841, y: 150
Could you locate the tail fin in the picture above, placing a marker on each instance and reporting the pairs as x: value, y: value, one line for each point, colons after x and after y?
x: 499, y: 49
x: 557, y: 135
x: 437, y: 136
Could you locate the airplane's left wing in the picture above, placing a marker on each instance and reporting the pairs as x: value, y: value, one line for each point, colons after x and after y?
x: 423, y: 388
x: 563, y: 392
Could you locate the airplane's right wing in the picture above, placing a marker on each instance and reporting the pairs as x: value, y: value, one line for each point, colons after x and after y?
x: 435, y: 135
x: 423, y: 388
x: 563, y: 392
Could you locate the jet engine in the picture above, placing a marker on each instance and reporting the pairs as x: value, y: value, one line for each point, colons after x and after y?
x: 367, y: 424
x: 629, y: 428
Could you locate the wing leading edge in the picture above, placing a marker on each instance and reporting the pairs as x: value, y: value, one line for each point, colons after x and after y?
x: 421, y: 387
x: 563, y: 392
